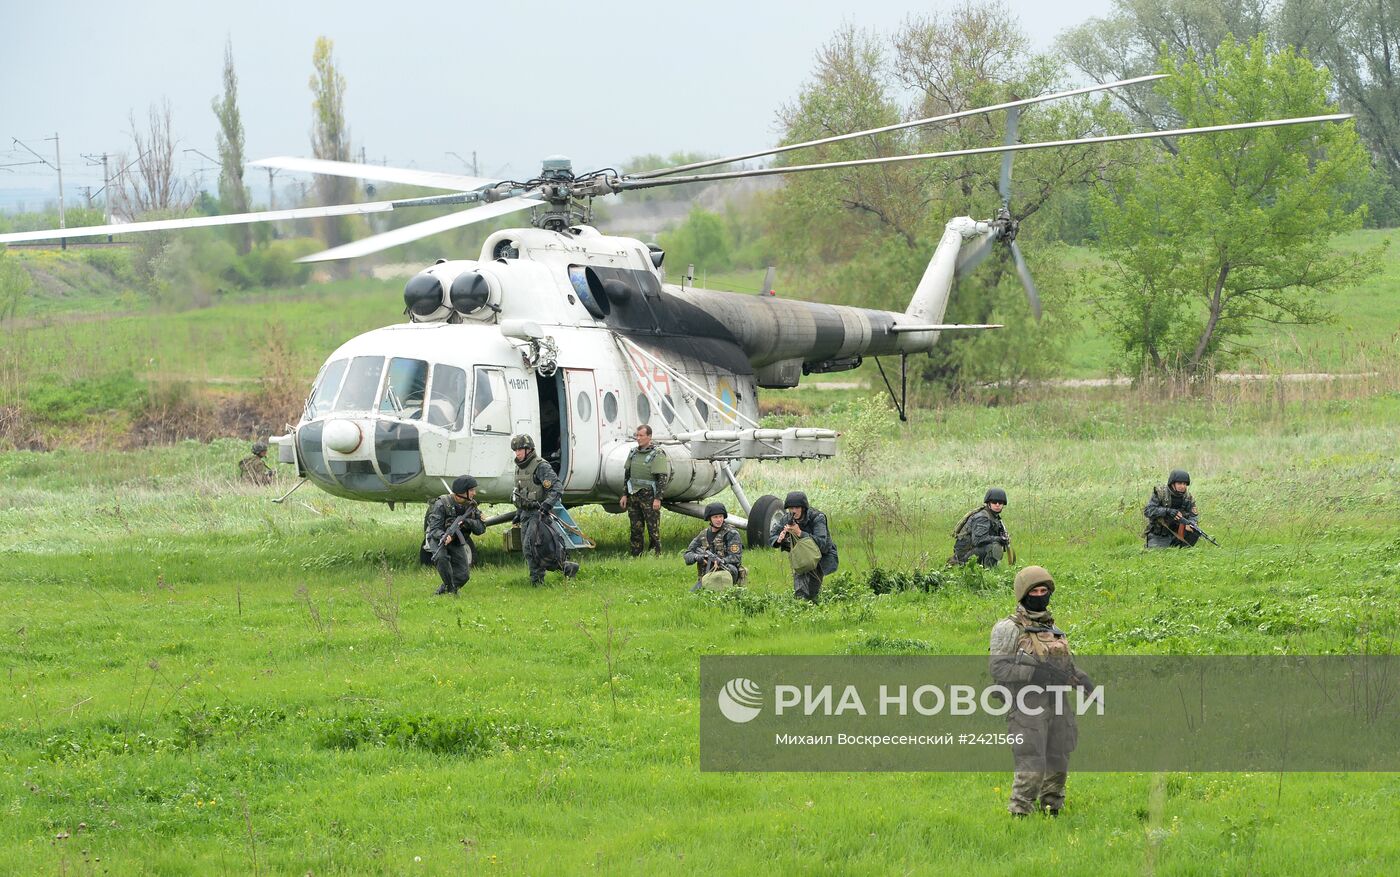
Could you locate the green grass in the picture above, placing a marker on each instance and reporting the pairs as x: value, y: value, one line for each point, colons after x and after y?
x: 196, y: 680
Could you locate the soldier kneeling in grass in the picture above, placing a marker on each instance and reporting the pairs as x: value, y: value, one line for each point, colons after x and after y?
x: 718, y: 552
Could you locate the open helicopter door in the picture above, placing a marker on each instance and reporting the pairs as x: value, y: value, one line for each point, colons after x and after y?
x: 585, y: 454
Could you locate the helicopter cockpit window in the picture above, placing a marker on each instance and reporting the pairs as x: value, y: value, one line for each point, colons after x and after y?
x: 361, y: 384
x: 490, y: 405
x: 323, y: 394
x: 404, y: 388
x: 448, y: 401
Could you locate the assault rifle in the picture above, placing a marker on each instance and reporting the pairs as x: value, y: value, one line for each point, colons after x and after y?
x: 454, y: 530
x: 1186, y: 532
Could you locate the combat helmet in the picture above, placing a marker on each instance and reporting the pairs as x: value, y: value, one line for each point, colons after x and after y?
x: 260, y: 448
x: 1178, y: 475
x: 462, y: 484
x: 522, y: 441
x: 715, y: 508
x: 1030, y: 577
x: 995, y: 494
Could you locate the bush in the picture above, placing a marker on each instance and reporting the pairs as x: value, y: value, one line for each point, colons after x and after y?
x: 68, y: 403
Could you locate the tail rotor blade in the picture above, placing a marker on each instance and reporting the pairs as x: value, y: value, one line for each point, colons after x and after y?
x: 974, y: 256
x: 1004, y: 187
x: 1025, y: 274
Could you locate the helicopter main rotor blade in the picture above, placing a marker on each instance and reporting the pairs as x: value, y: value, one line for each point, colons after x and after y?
x: 199, y: 221
x: 407, y: 233
x: 626, y: 184
x: 427, y: 179
x: 1025, y: 274
x: 973, y: 257
x: 1004, y: 184
x: 666, y: 171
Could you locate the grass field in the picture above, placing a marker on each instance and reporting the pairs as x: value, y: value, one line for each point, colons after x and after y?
x: 198, y: 681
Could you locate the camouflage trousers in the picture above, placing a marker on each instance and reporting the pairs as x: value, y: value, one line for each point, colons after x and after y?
x: 1030, y: 787
x: 639, y: 513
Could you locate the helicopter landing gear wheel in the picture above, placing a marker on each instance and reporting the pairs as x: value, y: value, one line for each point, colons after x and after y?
x: 762, y: 515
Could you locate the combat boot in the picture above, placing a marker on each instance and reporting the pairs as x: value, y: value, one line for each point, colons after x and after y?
x: 570, y: 569
x: 443, y: 589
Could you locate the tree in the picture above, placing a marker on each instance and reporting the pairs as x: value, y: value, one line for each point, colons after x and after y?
x: 232, y: 193
x: 1233, y: 231
x: 1360, y: 44
x: 873, y: 229
x: 151, y: 185
x: 330, y: 138
x: 1128, y: 42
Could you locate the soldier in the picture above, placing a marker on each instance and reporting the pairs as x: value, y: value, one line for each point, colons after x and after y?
x: 718, y: 548
x: 454, y: 560
x: 537, y: 489
x: 647, y: 471
x: 1171, y: 513
x: 253, y: 469
x: 981, y: 534
x: 1028, y: 649
x: 802, y: 520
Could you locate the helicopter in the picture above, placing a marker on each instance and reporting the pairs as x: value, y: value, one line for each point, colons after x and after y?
x: 574, y: 336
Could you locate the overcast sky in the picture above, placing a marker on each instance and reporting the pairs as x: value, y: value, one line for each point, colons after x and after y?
x: 599, y: 82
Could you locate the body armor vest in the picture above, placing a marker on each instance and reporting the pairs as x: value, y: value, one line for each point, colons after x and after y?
x: 639, y: 477
x: 526, y: 490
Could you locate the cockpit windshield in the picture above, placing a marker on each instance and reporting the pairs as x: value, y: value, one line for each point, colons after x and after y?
x: 323, y: 394
x: 361, y: 384
x: 405, y: 388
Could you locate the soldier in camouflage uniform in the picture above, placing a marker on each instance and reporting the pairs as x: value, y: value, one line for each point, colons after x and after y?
x: 1028, y: 649
x: 454, y: 563
x: 1169, y: 506
x: 718, y: 547
x: 802, y: 520
x: 981, y: 534
x: 537, y: 489
x: 253, y: 469
x: 647, y: 472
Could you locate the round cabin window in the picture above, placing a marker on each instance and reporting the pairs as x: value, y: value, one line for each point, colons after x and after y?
x: 584, y: 407
x: 643, y: 408
x: 609, y: 406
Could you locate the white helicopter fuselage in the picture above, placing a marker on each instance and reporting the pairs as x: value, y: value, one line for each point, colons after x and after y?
x: 575, y: 339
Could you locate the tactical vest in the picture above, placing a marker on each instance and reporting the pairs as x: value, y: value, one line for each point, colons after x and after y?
x: 640, y: 477
x: 526, y: 490
x: 1044, y: 641
x: 1164, y: 496
x: 714, y: 540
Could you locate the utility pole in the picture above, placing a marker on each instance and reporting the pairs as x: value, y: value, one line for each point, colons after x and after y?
x: 57, y: 165
x: 362, y: 154
x: 105, y: 191
x: 271, y: 189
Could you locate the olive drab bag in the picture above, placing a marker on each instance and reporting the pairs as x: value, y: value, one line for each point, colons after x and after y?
x: 805, y: 555
x: 717, y: 580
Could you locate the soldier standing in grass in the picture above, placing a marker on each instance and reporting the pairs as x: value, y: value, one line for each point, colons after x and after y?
x: 537, y: 489
x: 454, y: 561
x: 719, y: 548
x: 1027, y: 649
x: 802, y: 520
x: 981, y: 534
x: 647, y: 472
x: 253, y: 469
x: 1171, y: 513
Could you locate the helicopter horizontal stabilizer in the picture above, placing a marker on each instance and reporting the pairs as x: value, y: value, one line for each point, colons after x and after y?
x: 795, y: 442
x: 406, y: 176
x: 944, y: 327
x: 408, y: 233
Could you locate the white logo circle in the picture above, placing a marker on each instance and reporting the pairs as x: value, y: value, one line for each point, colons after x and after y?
x: 741, y: 700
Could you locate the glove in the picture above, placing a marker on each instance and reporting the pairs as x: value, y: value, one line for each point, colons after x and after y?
x: 1083, y: 680
x: 1004, y: 540
x: 530, y: 505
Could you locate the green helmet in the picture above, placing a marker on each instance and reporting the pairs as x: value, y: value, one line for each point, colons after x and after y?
x: 522, y: 441
x: 260, y: 448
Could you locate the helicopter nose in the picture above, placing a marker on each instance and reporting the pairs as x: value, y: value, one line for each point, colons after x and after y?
x: 342, y: 436
x: 335, y: 452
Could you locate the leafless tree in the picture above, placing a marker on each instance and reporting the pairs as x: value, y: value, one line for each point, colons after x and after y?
x: 150, y: 183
